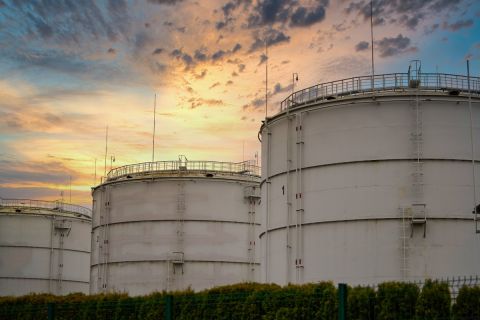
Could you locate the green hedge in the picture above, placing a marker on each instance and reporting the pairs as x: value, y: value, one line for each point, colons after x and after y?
x: 392, y: 300
x: 361, y: 303
x: 434, y: 301
x: 467, y: 306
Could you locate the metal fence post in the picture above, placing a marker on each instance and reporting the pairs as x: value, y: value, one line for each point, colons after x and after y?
x: 169, y: 307
x: 342, y: 301
x: 51, y: 311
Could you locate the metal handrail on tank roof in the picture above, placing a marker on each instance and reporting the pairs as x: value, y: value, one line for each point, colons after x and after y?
x: 440, y: 82
x: 58, y: 206
x: 247, y: 168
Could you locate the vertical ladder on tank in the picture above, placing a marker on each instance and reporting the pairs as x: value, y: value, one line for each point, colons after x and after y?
x: 405, y: 237
x: 62, y: 227
x: 299, y: 200
x: 252, y: 194
x: 104, y: 241
x: 267, y: 202
x: 288, y: 199
x: 418, y: 212
x: 100, y: 238
x: 176, y: 259
x: 52, y: 235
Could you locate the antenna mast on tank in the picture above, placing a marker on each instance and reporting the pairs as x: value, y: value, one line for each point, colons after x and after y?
x: 266, y: 77
x: 371, y: 34
x: 106, y: 150
x: 153, y: 138
x: 95, y: 173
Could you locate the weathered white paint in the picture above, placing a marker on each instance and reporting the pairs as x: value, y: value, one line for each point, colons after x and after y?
x: 142, y: 219
x: 356, y: 179
x: 31, y: 254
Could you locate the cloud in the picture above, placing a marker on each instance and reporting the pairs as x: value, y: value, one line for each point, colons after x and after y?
x: 255, y: 104
x: 389, y: 47
x: 69, y: 22
x: 201, y: 75
x: 216, y: 84
x: 35, y: 172
x: 220, y: 25
x: 362, y: 46
x: 263, y: 59
x: 184, y: 57
x: 408, y: 13
x: 302, y: 17
x: 199, y: 102
x: 236, y: 48
x: 430, y: 29
x: 200, y: 56
x: 166, y: 2
x: 460, y: 24
x: 412, y: 21
x: 157, y: 51
x: 270, y: 12
x: 218, y: 55
x: 52, y: 59
x: 279, y: 89
x: 345, y: 66
x: 228, y: 9
x: 273, y: 37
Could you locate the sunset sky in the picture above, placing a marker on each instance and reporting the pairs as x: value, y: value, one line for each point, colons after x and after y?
x: 69, y: 68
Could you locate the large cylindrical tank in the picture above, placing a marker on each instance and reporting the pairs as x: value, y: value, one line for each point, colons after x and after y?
x: 172, y: 225
x: 44, y: 247
x: 363, y: 186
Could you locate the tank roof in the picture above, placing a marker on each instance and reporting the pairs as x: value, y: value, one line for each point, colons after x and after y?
x: 182, y: 167
x: 449, y: 84
x: 57, y: 207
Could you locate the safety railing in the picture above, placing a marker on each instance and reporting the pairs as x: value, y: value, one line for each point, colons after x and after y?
x: 50, y: 205
x: 379, y: 83
x: 240, y: 168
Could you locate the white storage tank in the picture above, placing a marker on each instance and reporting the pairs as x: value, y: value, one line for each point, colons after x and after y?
x: 44, y: 247
x: 363, y: 186
x: 173, y: 225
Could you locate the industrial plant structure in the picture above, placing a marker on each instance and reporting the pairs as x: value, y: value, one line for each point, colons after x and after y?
x: 373, y: 178
x: 44, y: 247
x: 172, y: 225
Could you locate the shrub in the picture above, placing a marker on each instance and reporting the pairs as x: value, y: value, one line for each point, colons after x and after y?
x: 361, y: 303
x: 467, y: 305
x: 434, y: 301
x: 396, y: 301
